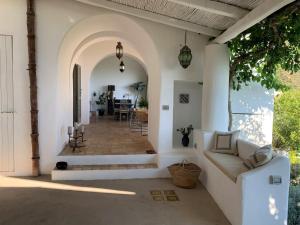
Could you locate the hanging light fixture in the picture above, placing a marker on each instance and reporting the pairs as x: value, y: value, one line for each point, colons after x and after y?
x: 185, y: 55
x: 122, y: 66
x: 119, y: 50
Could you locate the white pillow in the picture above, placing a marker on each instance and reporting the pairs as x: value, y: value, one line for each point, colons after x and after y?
x: 225, y: 142
x: 246, y: 148
x: 261, y: 157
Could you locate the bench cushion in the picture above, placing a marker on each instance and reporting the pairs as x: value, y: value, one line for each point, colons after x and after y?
x: 230, y: 165
x: 246, y: 149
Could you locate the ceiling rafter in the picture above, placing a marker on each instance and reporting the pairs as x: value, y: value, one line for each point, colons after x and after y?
x: 214, y: 7
x: 152, y: 16
x: 253, y: 17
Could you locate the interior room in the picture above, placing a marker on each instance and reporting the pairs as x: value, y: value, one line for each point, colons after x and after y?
x: 118, y: 109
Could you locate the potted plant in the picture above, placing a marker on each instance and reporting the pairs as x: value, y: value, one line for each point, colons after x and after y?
x: 101, y: 102
x: 143, y: 103
x: 185, y: 135
x: 138, y: 88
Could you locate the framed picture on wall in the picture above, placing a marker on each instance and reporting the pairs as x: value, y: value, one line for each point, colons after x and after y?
x: 184, y: 98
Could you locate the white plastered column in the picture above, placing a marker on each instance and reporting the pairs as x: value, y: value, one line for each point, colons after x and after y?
x: 215, y: 88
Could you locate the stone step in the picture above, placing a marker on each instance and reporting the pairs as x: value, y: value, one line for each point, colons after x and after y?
x: 108, y: 159
x: 113, y: 166
x: 110, y: 172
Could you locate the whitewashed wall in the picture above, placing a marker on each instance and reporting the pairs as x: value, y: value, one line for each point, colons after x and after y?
x: 13, y: 22
x: 186, y: 114
x: 252, y: 108
x: 107, y: 73
x: 55, y: 20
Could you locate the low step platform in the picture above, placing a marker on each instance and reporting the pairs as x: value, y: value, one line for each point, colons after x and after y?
x: 108, y: 159
x: 113, y: 166
x: 108, y: 172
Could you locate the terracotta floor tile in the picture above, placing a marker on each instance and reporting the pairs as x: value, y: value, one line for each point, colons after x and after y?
x: 106, y: 136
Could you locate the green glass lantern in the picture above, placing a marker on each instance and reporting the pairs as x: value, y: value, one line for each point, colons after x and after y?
x: 185, y: 55
x: 119, y: 50
x: 122, y: 67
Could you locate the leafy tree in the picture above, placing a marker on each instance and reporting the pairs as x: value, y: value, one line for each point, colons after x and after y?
x: 257, y: 53
x: 286, y: 125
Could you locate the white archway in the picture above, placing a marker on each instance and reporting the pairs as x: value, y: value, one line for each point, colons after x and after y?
x: 93, y: 55
x: 102, y: 28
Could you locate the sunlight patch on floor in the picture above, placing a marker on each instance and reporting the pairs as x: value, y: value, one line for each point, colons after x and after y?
x: 7, y: 182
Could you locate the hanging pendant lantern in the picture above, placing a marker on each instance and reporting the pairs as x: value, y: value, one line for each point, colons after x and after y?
x: 122, y: 67
x: 119, y: 50
x: 185, y: 56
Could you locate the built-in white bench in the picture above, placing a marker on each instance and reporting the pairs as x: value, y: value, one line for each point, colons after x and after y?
x: 247, y: 197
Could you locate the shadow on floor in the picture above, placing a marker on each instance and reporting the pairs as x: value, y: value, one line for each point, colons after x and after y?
x: 28, y: 201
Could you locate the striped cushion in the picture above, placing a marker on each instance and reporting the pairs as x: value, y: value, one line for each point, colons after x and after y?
x: 259, y: 158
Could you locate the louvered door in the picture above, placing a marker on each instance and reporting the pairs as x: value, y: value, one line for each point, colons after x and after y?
x: 6, y: 105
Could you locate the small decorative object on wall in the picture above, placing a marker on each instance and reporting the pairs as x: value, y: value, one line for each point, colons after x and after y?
x: 184, y: 98
x: 119, y: 50
x: 185, y: 55
x: 122, y: 66
x: 185, y: 132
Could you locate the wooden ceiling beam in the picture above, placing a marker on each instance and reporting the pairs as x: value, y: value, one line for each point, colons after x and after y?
x: 218, y: 8
x: 173, y: 22
x: 255, y: 16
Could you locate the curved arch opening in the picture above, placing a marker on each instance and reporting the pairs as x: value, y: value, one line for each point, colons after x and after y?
x: 87, y: 45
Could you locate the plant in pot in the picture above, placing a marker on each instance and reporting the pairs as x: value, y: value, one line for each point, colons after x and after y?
x: 186, y: 131
x: 138, y: 87
x: 101, y: 102
x: 143, y: 103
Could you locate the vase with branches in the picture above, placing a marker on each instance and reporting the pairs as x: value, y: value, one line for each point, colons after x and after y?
x: 185, y: 131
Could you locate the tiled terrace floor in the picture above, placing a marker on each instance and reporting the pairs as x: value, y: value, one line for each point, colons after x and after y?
x: 116, y: 202
x: 106, y: 136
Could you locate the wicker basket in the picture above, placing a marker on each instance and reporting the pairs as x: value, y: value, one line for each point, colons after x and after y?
x: 184, y: 174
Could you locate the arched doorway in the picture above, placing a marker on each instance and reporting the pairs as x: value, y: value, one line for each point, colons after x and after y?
x: 84, y: 35
x: 118, y: 119
x: 76, y: 94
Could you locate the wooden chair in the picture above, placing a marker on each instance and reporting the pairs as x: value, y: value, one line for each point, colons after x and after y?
x: 124, y: 109
x: 139, y: 122
x: 116, y: 108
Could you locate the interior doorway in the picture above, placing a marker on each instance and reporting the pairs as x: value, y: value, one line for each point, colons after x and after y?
x: 76, y: 94
x: 118, y: 109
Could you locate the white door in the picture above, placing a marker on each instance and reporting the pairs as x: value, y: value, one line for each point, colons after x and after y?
x: 6, y: 105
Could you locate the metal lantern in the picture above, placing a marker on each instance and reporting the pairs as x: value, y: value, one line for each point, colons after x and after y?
x: 122, y: 67
x: 185, y: 55
x: 119, y: 50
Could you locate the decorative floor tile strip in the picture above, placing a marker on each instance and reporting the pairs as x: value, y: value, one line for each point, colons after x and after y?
x: 158, y: 195
x: 172, y: 198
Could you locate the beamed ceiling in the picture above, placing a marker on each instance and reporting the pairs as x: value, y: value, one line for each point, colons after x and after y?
x: 208, y: 17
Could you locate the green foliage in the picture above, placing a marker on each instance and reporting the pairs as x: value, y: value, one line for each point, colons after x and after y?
x: 260, y: 51
x: 286, y: 125
x: 294, y: 206
x: 102, y: 99
x: 143, y: 103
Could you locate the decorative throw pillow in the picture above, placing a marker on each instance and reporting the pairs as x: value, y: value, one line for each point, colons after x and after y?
x: 261, y: 157
x: 225, y: 142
